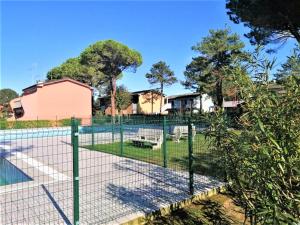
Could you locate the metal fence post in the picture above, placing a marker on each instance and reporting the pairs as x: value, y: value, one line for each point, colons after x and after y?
x: 93, y: 133
x: 121, y: 136
x: 165, y: 152
x: 74, y: 138
x: 191, y: 157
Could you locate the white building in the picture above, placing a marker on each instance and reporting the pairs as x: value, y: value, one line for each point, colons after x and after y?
x: 184, y: 102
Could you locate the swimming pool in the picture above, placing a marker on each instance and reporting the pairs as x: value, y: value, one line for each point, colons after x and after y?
x: 8, y: 135
x: 10, y: 174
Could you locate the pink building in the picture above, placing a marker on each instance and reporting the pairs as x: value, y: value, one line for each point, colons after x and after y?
x: 51, y: 100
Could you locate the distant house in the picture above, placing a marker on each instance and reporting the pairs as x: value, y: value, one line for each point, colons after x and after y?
x: 51, y: 100
x: 142, y: 102
x: 185, y: 102
x: 232, y: 106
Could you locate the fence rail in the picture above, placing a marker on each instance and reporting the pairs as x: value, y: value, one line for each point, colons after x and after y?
x: 102, y: 171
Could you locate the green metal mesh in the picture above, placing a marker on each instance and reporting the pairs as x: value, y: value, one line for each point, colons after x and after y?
x: 127, y: 166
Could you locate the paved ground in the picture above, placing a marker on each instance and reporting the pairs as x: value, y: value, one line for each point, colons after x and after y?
x: 112, y: 189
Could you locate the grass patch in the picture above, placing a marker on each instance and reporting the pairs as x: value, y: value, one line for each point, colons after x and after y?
x: 205, y: 162
x: 27, y: 124
x: 4, y: 124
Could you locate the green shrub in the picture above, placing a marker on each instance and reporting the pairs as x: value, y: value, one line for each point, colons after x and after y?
x: 19, y: 124
x: 3, y: 124
x: 64, y: 122
x: 28, y: 124
x: 262, y: 160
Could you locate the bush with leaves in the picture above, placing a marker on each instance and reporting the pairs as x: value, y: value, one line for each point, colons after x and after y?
x: 123, y: 98
x: 262, y: 159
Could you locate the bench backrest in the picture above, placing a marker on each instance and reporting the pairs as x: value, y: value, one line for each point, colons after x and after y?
x: 150, y: 134
x: 180, y: 129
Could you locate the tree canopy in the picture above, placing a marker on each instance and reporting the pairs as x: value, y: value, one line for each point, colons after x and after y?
x: 291, y: 67
x: 270, y: 21
x: 6, y: 95
x: 195, y: 80
x: 73, y: 68
x: 110, y: 58
x: 219, y: 52
x: 123, y: 98
x: 260, y: 65
x: 99, y: 65
x: 160, y: 73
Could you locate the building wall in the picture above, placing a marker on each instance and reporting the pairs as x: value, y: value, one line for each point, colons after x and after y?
x: 207, y: 103
x: 126, y: 111
x: 144, y: 105
x: 30, y: 106
x: 64, y: 100
x: 179, y: 103
x: 57, y: 101
x: 148, y: 106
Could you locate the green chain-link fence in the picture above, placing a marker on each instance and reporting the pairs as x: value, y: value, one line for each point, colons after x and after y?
x: 103, y: 170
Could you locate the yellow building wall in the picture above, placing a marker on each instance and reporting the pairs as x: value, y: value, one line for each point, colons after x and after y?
x: 147, y: 105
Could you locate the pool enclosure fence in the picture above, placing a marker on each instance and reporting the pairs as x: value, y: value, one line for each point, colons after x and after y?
x: 103, y: 170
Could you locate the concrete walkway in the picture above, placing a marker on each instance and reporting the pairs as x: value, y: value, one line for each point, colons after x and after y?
x: 112, y: 189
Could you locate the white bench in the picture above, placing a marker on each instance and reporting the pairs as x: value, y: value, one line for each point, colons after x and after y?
x: 178, y: 132
x: 147, y: 136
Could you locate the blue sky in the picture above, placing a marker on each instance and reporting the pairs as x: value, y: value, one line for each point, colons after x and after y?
x: 38, y: 35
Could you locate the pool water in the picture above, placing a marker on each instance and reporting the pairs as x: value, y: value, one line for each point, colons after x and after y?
x: 10, y: 174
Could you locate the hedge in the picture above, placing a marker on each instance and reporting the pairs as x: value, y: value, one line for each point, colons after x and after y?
x: 4, y: 124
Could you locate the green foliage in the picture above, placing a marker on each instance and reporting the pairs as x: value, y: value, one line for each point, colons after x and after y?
x: 220, y: 52
x: 99, y: 65
x: 195, y: 80
x: 73, y: 68
x: 4, y: 124
x: 6, y: 95
x: 160, y: 73
x: 177, y: 154
x: 70, y: 68
x: 123, y: 98
x: 260, y: 65
x: 291, y: 67
x: 111, y: 58
x: 19, y: 124
x: 262, y: 160
x: 65, y: 122
x: 270, y: 21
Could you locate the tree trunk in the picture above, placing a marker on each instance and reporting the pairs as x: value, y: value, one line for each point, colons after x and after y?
x: 296, y: 34
x: 161, y: 96
x: 152, y: 102
x: 293, y: 29
x: 201, y: 104
x: 191, y: 106
x: 113, y: 96
x: 219, y: 94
